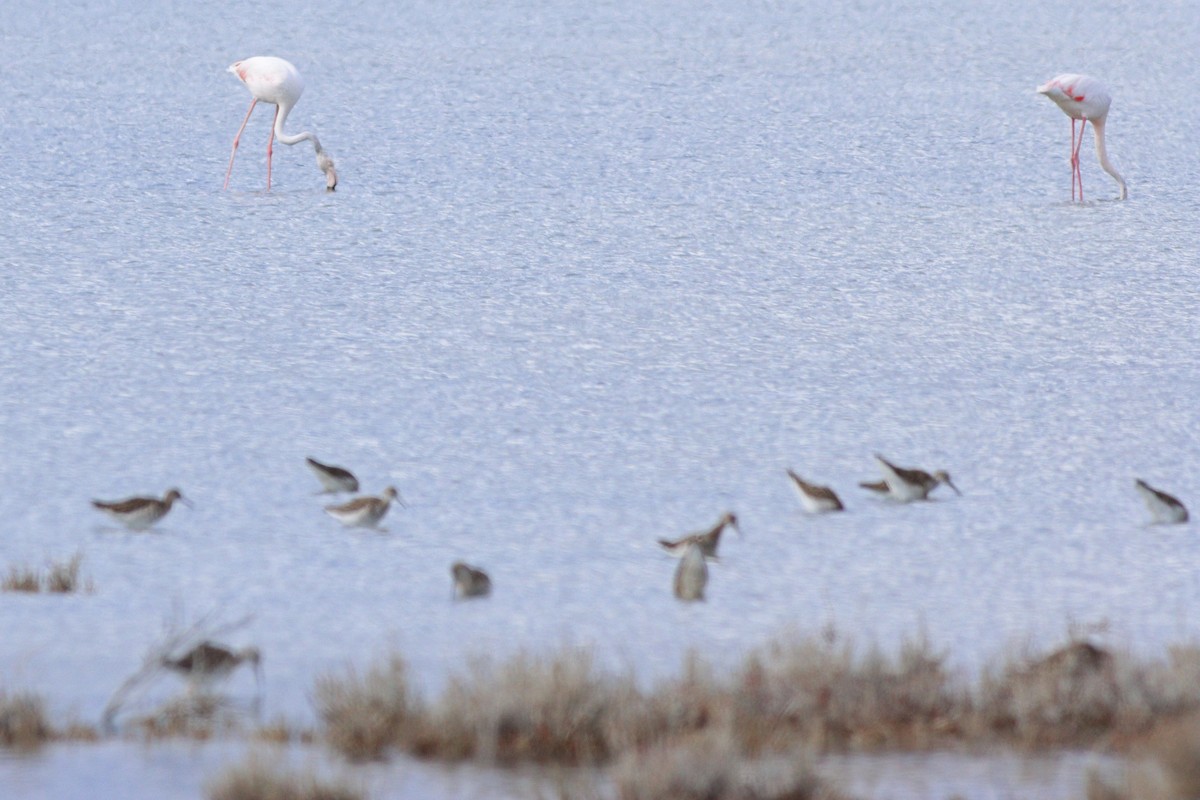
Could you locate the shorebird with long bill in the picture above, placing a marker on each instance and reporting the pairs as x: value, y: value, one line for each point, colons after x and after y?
x: 207, y: 663
x: 1167, y: 509
x: 815, y: 499
x: 707, y: 540
x: 470, y: 581
x: 691, y: 576
x: 365, y: 512
x: 140, y: 513
x: 334, y: 479
x: 904, y: 484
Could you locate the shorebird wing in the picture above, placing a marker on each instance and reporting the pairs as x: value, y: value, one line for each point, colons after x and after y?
x: 126, y: 506
x: 357, y: 504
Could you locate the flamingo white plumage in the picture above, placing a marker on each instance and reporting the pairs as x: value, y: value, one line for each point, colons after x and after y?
x: 274, y: 80
x: 1086, y: 99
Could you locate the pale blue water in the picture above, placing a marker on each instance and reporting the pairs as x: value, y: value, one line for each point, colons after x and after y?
x: 595, y: 273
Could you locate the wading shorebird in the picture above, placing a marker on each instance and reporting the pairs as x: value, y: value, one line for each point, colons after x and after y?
x: 139, y: 513
x: 364, y: 512
x: 207, y: 663
x: 906, y: 485
x: 691, y: 576
x: 815, y: 499
x: 274, y: 80
x: 1165, y: 508
x: 1084, y: 99
x: 334, y: 479
x: 470, y: 581
x: 707, y: 540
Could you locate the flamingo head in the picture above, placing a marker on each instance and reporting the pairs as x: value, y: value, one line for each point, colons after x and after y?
x: 325, y: 163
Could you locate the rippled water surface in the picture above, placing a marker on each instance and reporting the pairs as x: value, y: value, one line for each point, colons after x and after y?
x: 595, y: 273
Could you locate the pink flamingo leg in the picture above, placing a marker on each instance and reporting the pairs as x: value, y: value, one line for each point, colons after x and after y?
x: 1075, y: 159
x: 1072, y: 159
x: 236, y: 140
x: 270, y: 144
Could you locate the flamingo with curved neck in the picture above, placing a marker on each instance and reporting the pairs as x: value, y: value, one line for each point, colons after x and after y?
x: 1084, y: 98
x: 274, y: 80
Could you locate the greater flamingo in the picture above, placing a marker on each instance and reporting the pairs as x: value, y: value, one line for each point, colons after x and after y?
x: 1084, y: 98
x: 274, y: 80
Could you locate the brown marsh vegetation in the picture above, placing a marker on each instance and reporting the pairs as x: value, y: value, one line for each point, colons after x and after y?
x: 707, y: 766
x: 1165, y: 765
x: 254, y: 779
x: 61, y: 577
x: 24, y: 724
x: 749, y: 732
x: 365, y: 716
x: 814, y: 694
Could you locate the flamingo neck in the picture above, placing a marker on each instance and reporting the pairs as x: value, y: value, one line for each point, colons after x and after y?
x: 324, y: 160
x: 284, y: 138
x: 1102, y: 155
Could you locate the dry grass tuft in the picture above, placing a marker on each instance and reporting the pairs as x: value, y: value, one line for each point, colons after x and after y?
x: 1069, y: 695
x: 1083, y: 695
x: 1101, y: 787
x: 364, y: 717
x: 1176, y: 747
x: 280, y: 731
x: 819, y: 693
x: 194, y: 715
x: 62, y: 577
x: 255, y: 780
x: 21, y: 579
x: 1165, y: 766
x: 541, y: 709
x: 76, y: 731
x: 711, y: 766
x: 23, y: 723
x: 810, y: 693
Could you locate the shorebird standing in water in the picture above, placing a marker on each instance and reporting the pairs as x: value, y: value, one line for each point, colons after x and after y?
x: 1165, y: 508
x: 139, y: 513
x: 815, y: 499
x: 334, y: 479
x: 364, y: 512
x: 208, y: 663
x: 706, y: 540
x: 691, y: 576
x: 905, y: 485
x: 470, y: 581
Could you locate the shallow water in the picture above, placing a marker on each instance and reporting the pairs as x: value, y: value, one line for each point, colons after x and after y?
x: 183, y: 769
x: 595, y: 273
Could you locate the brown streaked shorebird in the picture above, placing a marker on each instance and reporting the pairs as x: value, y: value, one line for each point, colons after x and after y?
x: 691, y: 576
x: 364, y: 512
x: 208, y: 662
x: 905, y: 485
x: 1166, y: 509
x: 708, y: 540
x: 139, y: 513
x: 333, y: 479
x: 815, y: 499
x: 470, y: 581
